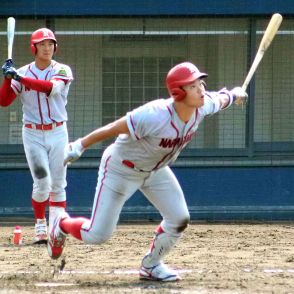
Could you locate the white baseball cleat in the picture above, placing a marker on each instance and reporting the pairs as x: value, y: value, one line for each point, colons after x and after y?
x: 159, y: 272
x: 56, y: 237
x: 40, y: 231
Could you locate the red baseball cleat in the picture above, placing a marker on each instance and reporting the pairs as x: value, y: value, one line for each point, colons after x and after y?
x: 56, y: 237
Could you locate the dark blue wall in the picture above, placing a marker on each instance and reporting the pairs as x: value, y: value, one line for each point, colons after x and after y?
x: 216, y: 193
x: 146, y: 7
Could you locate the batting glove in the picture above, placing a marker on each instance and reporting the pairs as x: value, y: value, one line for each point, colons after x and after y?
x: 239, y: 95
x: 11, y: 73
x: 73, y: 151
x: 7, y: 63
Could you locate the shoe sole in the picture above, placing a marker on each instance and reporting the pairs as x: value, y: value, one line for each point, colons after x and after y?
x: 169, y: 279
x: 40, y: 242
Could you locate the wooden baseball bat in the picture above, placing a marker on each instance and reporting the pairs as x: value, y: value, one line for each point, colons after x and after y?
x: 10, y: 35
x: 267, y: 38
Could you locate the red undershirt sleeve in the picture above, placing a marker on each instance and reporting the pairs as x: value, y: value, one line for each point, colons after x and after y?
x: 7, y: 95
x: 37, y: 85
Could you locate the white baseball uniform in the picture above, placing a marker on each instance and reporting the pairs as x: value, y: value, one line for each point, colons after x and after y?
x: 139, y: 161
x: 44, y: 129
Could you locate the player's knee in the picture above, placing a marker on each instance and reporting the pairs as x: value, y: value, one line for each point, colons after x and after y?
x: 176, y: 226
x: 42, y: 187
x: 40, y: 172
x: 58, y: 185
x: 183, y: 224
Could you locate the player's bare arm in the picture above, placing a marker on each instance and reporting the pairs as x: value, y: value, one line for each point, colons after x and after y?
x: 224, y: 101
x: 75, y: 149
x: 106, y: 132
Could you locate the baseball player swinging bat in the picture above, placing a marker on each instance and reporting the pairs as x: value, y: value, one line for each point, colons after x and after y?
x: 267, y: 38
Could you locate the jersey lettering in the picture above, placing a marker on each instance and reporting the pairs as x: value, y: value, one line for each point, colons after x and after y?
x: 170, y: 143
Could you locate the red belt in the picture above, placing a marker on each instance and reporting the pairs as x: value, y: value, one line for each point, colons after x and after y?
x: 44, y: 127
x: 132, y: 165
x: 128, y: 163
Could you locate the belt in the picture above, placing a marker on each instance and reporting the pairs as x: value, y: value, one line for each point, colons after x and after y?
x: 132, y: 165
x: 44, y: 127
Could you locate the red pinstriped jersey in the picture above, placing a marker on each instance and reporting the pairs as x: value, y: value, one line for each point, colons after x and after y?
x: 157, y: 134
x: 37, y: 106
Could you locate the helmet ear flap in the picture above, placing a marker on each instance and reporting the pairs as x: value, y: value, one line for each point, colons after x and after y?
x: 178, y: 93
x: 180, y: 75
x: 34, y: 49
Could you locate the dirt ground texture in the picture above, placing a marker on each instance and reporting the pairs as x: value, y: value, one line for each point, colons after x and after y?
x: 212, y: 258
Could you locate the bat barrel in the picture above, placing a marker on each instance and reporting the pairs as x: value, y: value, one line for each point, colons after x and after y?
x: 10, y: 35
x: 266, y: 40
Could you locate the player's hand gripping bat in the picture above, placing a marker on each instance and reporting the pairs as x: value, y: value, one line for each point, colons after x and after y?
x: 266, y: 40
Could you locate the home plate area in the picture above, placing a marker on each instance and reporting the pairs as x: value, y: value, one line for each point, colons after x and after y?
x: 210, y: 258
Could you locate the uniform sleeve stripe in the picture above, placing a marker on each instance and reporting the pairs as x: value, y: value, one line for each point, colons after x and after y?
x: 15, y: 89
x: 134, y: 129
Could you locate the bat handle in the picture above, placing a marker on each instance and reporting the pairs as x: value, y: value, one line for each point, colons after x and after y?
x: 244, y: 86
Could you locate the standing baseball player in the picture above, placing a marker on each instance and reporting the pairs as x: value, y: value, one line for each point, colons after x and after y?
x: 149, y: 139
x: 43, y: 87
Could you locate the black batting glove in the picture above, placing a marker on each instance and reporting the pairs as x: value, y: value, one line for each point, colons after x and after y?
x: 11, y: 73
x: 8, y: 63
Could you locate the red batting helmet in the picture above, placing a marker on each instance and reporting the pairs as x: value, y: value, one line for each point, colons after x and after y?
x: 180, y: 75
x: 41, y: 35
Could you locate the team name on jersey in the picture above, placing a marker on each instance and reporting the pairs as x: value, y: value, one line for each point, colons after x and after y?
x: 171, y: 143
